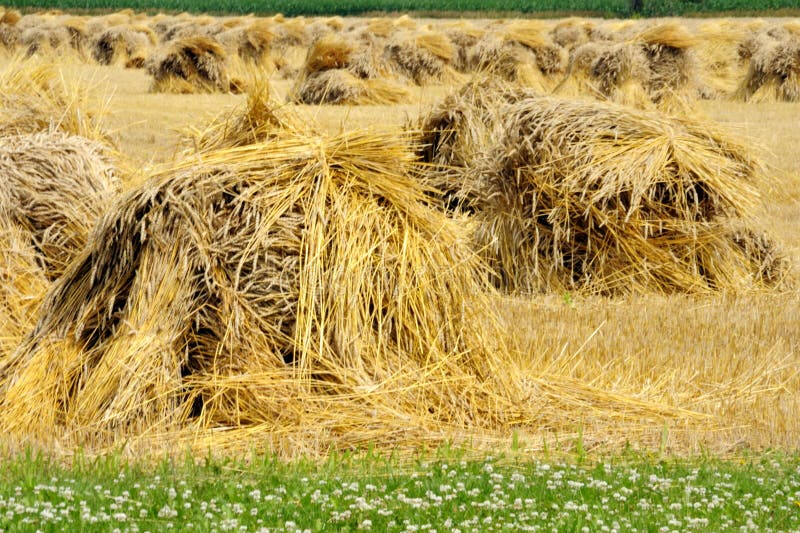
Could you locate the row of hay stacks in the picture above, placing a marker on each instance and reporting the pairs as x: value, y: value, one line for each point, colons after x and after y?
x: 283, y: 290
x: 573, y: 195
x: 646, y: 64
x: 287, y: 291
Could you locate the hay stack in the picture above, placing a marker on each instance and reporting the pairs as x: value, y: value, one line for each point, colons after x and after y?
x: 655, y: 67
x: 520, y: 53
x: 331, y: 76
x: 774, y: 70
x: 123, y: 45
x: 423, y: 58
x: 251, y: 42
x: 573, y: 195
x: 9, y: 32
x: 189, y: 65
x: 35, y: 97
x: 54, y: 188
x: 669, y: 50
x: 271, y: 290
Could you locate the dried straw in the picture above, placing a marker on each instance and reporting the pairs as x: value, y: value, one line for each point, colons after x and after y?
x: 573, y: 195
x: 189, y: 65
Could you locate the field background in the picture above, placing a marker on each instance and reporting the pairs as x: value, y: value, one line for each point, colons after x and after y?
x: 551, y: 8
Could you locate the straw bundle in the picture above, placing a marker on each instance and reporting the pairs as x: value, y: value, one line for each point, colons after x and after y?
x: 572, y: 195
x: 269, y: 289
x: 55, y: 187
x: 572, y: 33
x: 9, y: 32
x: 657, y: 66
x: 338, y: 86
x: 550, y: 58
x: 34, y: 97
x: 718, y: 52
x: 45, y: 39
x: 122, y: 45
x: 423, y: 58
x: 669, y: 51
x: 336, y: 72
x: 251, y: 43
x: 190, y: 65
x: 463, y: 36
x: 774, y: 71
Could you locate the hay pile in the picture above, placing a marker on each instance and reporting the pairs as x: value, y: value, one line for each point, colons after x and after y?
x: 337, y: 72
x: 35, y: 97
x: 54, y: 188
x: 124, y: 45
x: 655, y: 67
x: 423, y: 58
x: 264, y: 287
x: 570, y: 195
x: 521, y: 53
x: 774, y: 69
x: 9, y: 32
x: 299, y: 296
x: 190, y: 65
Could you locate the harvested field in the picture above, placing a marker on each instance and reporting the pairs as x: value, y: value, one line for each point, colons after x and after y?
x: 374, y: 246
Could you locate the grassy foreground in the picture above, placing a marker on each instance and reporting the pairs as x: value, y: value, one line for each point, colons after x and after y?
x: 444, y: 493
x: 608, y: 8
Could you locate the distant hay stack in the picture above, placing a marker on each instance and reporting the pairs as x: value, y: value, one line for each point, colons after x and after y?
x: 9, y: 32
x: 260, y: 292
x: 774, y: 70
x: 519, y: 53
x: 251, y: 42
x: 464, y: 37
x: 330, y: 76
x: 669, y: 50
x: 656, y: 67
x: 47, y: 39
x: 573, y: 195
x: 54, y: 188
x: 127, y: 46
x: 423, y: 58
x: 190, y: 65
x: 34, y: 97
x: 721, y: 66
x: 572, y: 32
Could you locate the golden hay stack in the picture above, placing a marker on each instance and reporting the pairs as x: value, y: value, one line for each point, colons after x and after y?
x: 251, y: 42
x: 573, y: 195
x: 298, y: 296
x: 656, y: 66
x: 189, y: 65
x: 123, y: 45
x: 9, y: 32
x: 722, y: 68
x: 423, y: 58
x: 774, y: 70
x: 266, y: 288
x: 35, y: 97
x: 54, y: 188
x: 337, y: 72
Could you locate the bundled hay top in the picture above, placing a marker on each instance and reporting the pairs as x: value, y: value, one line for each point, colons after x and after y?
x: 54, y: 188
x: 189, y: 65
x: 574, y: 195
x: 423, y: 58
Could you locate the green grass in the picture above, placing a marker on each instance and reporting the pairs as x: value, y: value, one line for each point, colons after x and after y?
x: 446, y: 493
x: 352, y: 7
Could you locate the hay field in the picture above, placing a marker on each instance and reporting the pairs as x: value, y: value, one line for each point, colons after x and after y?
x: 300, y: 235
